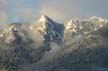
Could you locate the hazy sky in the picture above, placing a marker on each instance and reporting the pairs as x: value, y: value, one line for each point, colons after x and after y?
x: 59, y: 10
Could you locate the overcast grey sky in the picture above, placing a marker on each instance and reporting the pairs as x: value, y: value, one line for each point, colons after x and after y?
x: 59, y: 10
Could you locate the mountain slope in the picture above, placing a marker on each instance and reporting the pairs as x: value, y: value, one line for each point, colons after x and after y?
x: 78, y: 45
x: 80, y: 27
x: 86, y: 54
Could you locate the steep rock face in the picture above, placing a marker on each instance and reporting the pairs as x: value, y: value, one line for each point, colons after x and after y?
x: 49, y: 29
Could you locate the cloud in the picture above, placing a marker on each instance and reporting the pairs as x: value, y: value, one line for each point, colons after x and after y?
x: 26, y: 9
x: 3, y: 3
x: 59, y: 10
x: 52, y: 13
x: 63, y: 10
x: 25, y: 13
x: 3, y: 12
x: 3, y: 18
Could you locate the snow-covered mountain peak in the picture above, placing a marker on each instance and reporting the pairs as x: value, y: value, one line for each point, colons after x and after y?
x: 10, y: 33
x: 11, y: 28
x: 68, y: 25
x: 49, y: 29
x: 45, y: 23
x: 72, y: 24
x: 95, y: 18
x: 43, y: 19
